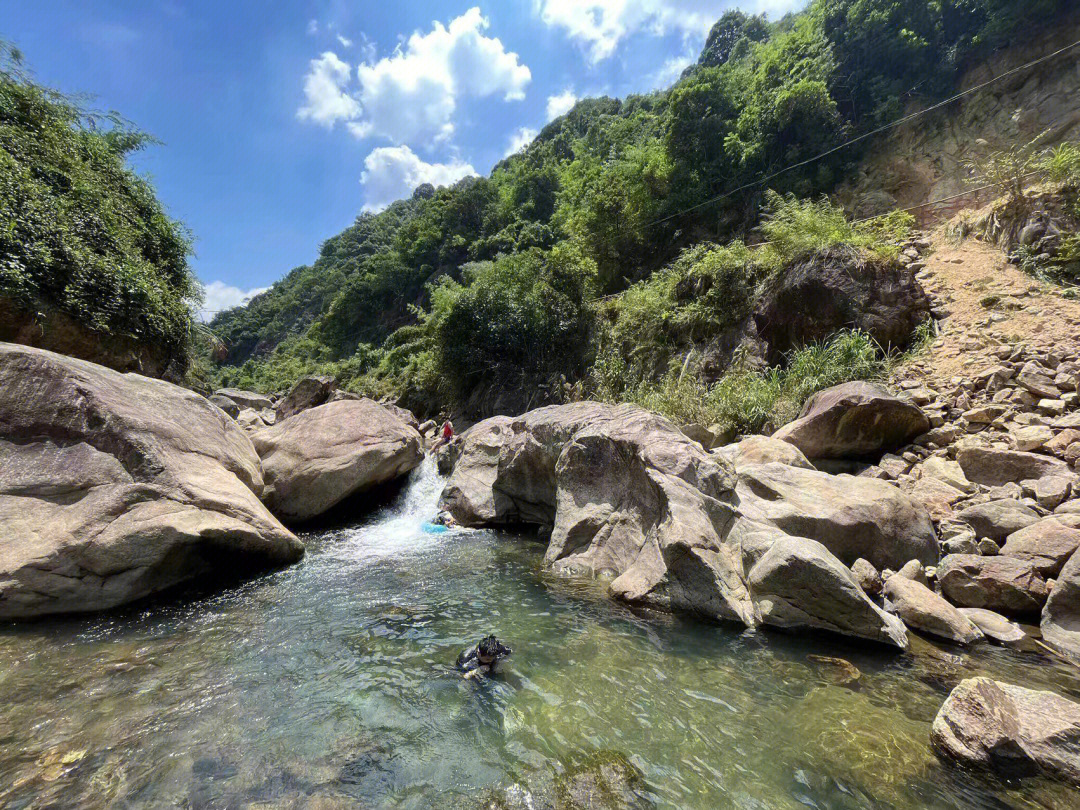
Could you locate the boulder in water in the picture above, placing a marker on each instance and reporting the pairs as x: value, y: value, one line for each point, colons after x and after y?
x: 116, y: 486
x: 922, y: 609
x: 1011, y: 730
x: 628, y: 495
x: 323, y: 455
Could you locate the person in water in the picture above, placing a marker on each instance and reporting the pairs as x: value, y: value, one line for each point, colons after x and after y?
x: 483, y: 658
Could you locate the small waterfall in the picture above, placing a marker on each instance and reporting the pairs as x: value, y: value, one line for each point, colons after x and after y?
x: 399, y: 527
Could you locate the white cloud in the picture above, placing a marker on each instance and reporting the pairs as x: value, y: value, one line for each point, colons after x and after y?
x: 669, y: 72
x: 221, y: 296
x: 392, y: 172
x: 520, y: 139
x: 561, y: 103
x: 345, y: 41
x: 412, y: 94
x: 312, y: 27
x: 324, y: 91
x: 601, y: 24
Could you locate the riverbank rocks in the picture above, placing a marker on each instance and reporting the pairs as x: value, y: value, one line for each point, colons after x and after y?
x: 998, y: 583
x: 853, y: 420
x: 994, y: 467
x: 762, y: 450
x: 994, y: 625
x: 997, y: 519
x: 1061, y: 617
x: 853, y: 517
x: 1010, y: 730
x: 317, y: 458
x: 922, y: 609
x: 116, y: 486
x: 628, y: 496
x: 1047, y: 545
x: 246, y: 399
x: 308, y: 392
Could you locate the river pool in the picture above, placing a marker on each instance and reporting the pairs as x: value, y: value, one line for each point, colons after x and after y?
x: 330, y: 684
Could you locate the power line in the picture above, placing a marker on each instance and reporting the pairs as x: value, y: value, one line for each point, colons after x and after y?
x: 864, y: 136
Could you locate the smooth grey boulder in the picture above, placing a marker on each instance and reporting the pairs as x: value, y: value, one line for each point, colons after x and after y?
x: 868, y: 577
x: 117, y: 486
x: 763, y: 450
x: 323, y: 455
x: 1010, y: 730
x: 851, y: 516
x: 922, y: 609
x: 853, y: 420
x: 308, y: 392
x: 994, y: 625
x: 993, y: 467
x: 998, y: 519
x: 998, y: 583
x: 627, y: 495
x: 246, y: 399
x: 1047, y: 545
x: 226, y: 404
x: 1060, y: 623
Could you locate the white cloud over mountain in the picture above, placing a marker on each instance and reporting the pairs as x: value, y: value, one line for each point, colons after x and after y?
x: 411, y: 95
x: 392, y: 172
x: 599, y: 25
x: 520, y: 139
x: 220, y: 296
x: 560, y: 103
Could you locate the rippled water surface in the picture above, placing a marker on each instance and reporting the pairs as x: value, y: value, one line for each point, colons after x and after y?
x: 330, y: 685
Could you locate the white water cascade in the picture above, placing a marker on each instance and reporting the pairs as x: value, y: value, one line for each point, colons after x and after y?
x: 399, y: 528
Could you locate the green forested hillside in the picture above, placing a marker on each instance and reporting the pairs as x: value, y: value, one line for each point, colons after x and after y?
x: 87, y: 253
x: 571, y: 262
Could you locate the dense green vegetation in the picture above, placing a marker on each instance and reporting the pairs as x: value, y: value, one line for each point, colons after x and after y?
x: 80, y: 232
x: 600, y: 258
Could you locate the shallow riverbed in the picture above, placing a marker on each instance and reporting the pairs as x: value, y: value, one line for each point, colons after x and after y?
x: 330, y: 685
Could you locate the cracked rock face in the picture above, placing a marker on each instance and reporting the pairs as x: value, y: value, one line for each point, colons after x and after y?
x: 116, y: 486
x: 628, y: 496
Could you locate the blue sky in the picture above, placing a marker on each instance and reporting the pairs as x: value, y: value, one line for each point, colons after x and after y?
x: 281, y: 121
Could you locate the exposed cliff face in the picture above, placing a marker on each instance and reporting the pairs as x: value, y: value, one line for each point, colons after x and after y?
x: 59, y: 332
x: 923, y: 160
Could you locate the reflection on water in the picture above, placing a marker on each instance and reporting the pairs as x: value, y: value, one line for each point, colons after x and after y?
x: 330, y: 685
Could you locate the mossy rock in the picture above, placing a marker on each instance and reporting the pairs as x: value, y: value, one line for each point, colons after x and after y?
x: 601, y: 780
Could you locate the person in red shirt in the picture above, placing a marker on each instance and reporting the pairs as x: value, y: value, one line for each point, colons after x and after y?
x: 445, y: 435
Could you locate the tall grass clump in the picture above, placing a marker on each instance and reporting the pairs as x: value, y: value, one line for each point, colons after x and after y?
x: 747, y: 400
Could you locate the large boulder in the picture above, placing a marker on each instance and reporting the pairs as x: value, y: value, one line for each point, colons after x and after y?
x: 323, y: 455
x: 922, y: 609
x: 231, y: 408
x: 853, y: 420
x: 1011, y: 730
x: 998, y: 583
x: 851, y: 516
x: 1061, y: 617
x: 246, y: 399
x: 999, y: 518
x: 308, y: 392
x: 836, y: 289
x: 116, y: 486
x: 762, y: 450
x: 628, y: 496
x: 995, y: 467
x: 1047, y: 545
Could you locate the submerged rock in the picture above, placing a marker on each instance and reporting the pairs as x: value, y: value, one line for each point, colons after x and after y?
x: 116, y: 486
x: 628, y: 495
x: 852, y: 420
x: 323, y: 455
x: 1011, y: 730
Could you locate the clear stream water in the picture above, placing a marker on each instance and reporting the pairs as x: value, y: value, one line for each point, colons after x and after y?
x: 330, y: 684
